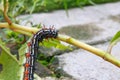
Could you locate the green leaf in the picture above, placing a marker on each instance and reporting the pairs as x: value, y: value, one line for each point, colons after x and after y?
x: 114, y: 41
x: 7, y: 50
x: 54, y: 43
x: 34, y: 5
x: 10, y: 67
x: 116, y: 38
x: 66, y: 7
x: 91, y: 2
x: 44, y: 62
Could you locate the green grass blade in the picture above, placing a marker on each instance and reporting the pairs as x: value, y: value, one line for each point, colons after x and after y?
x: 114, y: 41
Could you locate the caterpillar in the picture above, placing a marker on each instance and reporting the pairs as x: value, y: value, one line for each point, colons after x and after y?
x: 33, y: 46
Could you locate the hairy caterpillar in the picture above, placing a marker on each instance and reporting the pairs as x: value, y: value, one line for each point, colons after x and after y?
x: 33, y: 50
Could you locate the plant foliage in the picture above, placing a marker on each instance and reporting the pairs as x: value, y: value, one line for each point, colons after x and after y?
x: 114, y: 41
x: 9, y: 64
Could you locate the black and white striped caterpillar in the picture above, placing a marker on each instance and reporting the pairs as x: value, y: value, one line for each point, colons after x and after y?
x: 33, y: 50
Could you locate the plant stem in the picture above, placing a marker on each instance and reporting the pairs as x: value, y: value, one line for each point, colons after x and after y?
x: 19, y: 28
x: 5, y: 12
x: 29, y: 31
x: 106, y: 56
x: 23, y: 32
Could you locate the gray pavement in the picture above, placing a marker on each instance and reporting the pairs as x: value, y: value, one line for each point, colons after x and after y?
x: 80, y: 64
x: 77, y: 16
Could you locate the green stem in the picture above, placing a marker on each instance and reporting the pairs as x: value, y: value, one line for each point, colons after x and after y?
x: 29, y: 31
x: 106, y: 56
x: 6, y: 3
x: 19, y: 28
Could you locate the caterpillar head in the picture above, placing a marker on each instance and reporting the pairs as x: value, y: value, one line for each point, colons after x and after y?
x: 47, y: 33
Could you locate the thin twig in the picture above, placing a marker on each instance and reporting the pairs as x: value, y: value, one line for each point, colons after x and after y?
x: 6, y: 5
x: 29, y: 31
x: 103, y: 54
